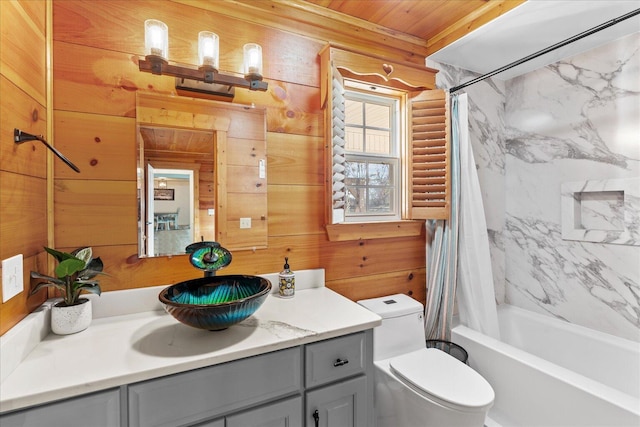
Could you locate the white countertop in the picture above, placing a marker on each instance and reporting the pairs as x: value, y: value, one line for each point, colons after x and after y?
x: 127, y: 348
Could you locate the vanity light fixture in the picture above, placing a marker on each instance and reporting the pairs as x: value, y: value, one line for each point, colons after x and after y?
x: 155, y: 62
x: 20, y: 137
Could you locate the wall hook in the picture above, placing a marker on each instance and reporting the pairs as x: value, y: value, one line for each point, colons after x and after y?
x: 19, y: 137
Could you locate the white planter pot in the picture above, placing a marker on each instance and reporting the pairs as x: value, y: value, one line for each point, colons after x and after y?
x: 67, y: 320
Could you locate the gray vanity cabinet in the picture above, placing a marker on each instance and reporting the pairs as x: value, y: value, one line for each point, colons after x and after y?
x: 278, y: 389
x: 96, y: 409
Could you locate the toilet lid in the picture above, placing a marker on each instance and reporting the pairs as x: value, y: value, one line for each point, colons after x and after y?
x: 444, y: 377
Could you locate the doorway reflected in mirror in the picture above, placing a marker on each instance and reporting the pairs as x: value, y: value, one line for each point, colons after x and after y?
x: 174, y: 196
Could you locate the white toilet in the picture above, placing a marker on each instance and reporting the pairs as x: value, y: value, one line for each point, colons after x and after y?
x: 417, y: 386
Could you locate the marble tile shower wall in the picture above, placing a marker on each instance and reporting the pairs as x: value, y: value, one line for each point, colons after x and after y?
x: 572, y: 121
x: 575, y: 120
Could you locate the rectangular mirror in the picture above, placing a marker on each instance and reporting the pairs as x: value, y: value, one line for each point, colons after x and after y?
x: 201, y: 169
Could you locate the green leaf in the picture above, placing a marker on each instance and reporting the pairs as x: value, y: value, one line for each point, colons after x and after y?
x: 69, y: 267
x: 59, y: 256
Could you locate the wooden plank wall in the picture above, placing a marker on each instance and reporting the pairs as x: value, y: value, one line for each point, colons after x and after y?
x: 23, y: 168
x: 95, y: 79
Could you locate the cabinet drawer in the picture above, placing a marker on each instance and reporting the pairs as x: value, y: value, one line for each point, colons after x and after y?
x: 98, y: 409
x: 208, y: 392
x: 333, y: 359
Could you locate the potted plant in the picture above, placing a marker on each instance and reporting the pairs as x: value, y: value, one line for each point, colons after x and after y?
x: 74, y: 273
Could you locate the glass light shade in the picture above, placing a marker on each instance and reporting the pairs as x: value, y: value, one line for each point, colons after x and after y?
x: 252, y: 59
x: 156, y: 38
x: 208, y: 49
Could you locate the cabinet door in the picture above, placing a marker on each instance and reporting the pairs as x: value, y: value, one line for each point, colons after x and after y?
x: 98, y: 409
x: 286, y: 413
x: 343, y: 404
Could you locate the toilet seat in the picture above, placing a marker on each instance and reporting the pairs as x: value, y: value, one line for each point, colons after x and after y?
x: 438, y: 375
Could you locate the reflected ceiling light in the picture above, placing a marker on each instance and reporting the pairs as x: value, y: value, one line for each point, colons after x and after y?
x: 156, y: 34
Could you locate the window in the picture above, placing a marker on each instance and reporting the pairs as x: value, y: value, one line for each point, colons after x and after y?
x: 387, y: 146
x: 372, y: 157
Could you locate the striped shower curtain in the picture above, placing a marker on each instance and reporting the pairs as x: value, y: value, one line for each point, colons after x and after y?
x: 442, y: 249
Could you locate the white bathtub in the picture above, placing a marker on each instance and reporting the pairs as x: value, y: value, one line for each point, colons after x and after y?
x: 547, y: 372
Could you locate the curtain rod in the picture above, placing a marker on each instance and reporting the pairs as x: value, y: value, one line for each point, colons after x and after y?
x: 548, y: 49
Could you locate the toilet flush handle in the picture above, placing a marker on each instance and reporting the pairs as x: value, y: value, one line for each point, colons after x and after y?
x: 340, y: 362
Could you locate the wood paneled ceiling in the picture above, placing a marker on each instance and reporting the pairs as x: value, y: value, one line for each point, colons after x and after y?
x: 408, y: 30
x: 438, y: 22
x: 420, y: 18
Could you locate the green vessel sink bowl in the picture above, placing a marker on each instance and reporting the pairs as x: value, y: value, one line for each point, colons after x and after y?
x: 217, y: 302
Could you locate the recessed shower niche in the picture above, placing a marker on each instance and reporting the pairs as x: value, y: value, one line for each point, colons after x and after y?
x: 606, y: 211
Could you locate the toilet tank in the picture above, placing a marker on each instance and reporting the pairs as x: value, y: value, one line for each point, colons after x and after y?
x: 402, y: 328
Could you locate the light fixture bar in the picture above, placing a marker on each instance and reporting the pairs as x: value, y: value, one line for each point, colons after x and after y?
x: 156, y: 41
x: 194, y: 88
x: 159, y: 66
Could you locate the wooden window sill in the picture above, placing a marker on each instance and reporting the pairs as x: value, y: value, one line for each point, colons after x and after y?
x: 374, y: 230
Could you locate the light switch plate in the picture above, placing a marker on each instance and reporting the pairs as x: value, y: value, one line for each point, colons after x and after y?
x: 262, y: 169
x: 245, y: 222
x: 12, y: 277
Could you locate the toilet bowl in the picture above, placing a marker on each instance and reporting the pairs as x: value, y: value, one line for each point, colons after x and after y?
x: 417, y: 386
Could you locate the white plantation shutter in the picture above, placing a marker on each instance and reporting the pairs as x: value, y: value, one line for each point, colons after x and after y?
x: 338, y: 143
